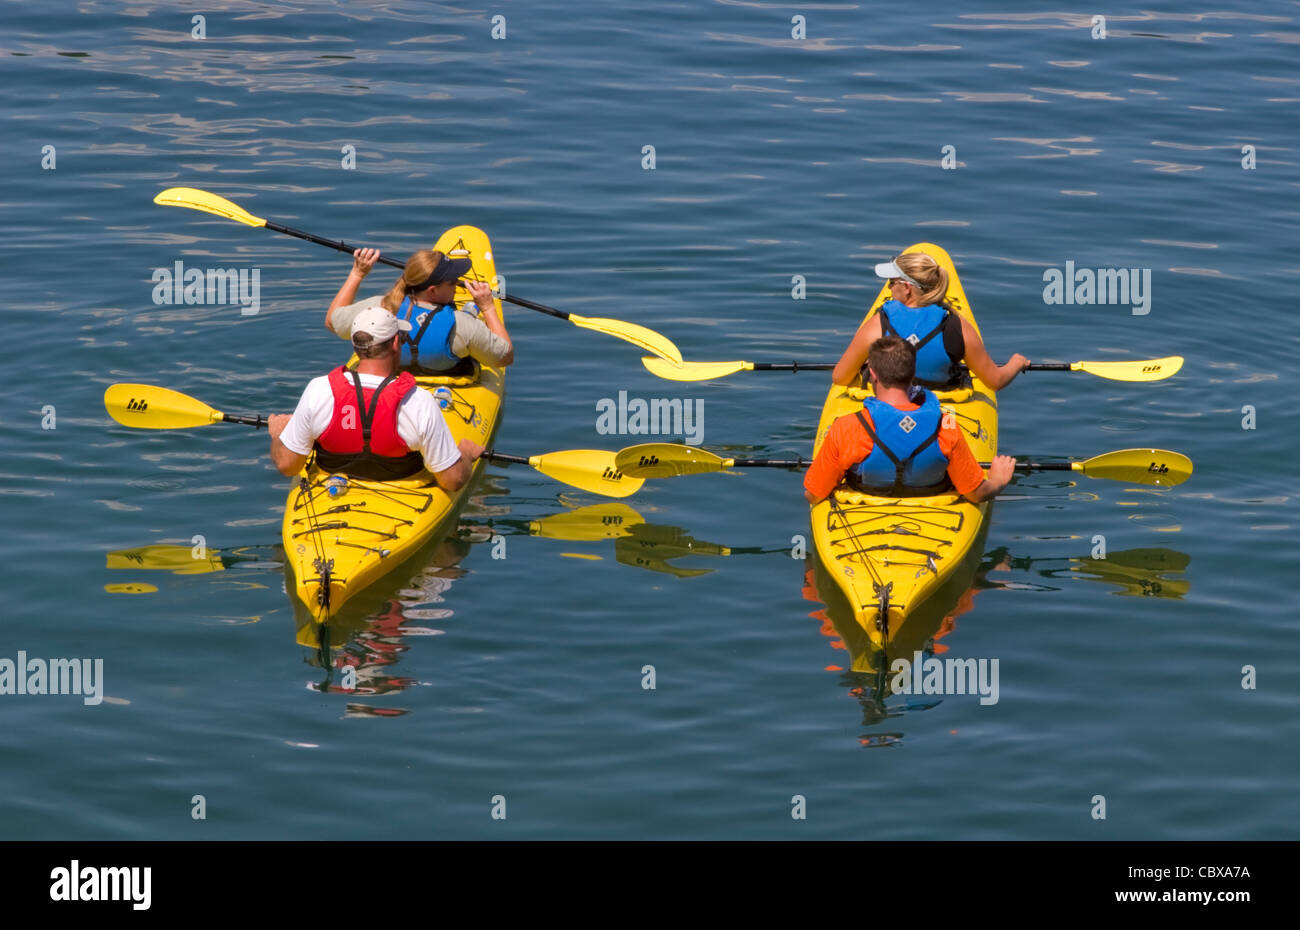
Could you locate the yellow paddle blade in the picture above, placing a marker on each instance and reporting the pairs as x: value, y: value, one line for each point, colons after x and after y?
x: 588, y: 524
x: 693, y: 371
x: 196, y: 199
x: 667, y: 460
x: 1139, y: 466
x: 1152, y: 369
x: 589, y: 469
x: 639, y: 336
x: 147, y: 407
x: 179, y: 560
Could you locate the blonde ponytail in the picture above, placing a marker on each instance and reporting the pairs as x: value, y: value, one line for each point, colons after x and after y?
x: 928, y: 273
x: 418, y: 268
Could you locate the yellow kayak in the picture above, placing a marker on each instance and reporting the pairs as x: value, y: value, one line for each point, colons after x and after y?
x: 889, y: 555
x: 355, y: 538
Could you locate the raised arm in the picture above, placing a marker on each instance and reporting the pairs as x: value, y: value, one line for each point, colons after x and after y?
x: 362, y: 261
x: 482, y: 295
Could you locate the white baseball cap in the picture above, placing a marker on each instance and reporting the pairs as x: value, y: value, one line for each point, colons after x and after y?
x: 891, y: 270
x: 379, y: 324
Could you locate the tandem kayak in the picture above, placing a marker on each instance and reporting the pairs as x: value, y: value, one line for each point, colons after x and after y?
x: 336, y: 546
x: 888, y: 554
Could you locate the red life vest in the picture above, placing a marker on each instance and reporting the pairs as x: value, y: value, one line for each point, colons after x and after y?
x: 362, y: 438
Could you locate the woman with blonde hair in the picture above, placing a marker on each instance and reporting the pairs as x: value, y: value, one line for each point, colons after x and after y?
x: 919, y: 314
x: 441, y: 336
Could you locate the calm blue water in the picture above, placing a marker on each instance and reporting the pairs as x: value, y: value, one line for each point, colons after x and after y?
x: 774, y: 157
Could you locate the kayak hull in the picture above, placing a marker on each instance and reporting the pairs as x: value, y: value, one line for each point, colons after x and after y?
x: 338, y: 546
x: 889, y: 555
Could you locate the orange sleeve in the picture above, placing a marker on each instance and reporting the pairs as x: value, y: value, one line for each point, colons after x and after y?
x: 964, y: 472
x: 846, y: 444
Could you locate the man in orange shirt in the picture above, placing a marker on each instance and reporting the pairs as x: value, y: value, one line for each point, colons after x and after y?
x: 901, y: 443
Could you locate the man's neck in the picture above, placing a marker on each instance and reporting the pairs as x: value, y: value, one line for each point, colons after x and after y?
x: 383, y: 367
x: 894, y: 396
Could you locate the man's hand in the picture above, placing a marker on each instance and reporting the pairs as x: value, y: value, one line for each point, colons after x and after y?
x: 1000, y: 471
x: 285, y: 462
x: 276, y: 423
x: 469, y: 449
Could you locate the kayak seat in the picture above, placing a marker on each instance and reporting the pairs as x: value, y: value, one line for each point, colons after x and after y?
x: 958, y: 396
x: 466, y: 372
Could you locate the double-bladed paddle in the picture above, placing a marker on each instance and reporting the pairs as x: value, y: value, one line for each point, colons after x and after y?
x: 1136, y: 466
x: 639, y: 336
x: 147, y: 407
x: 1151, y: 369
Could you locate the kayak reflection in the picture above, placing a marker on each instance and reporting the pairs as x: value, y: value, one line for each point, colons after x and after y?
x: 1144, y: 572
x: 363, y: 641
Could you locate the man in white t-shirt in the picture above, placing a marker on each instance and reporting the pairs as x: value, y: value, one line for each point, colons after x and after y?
x: 372, y: 423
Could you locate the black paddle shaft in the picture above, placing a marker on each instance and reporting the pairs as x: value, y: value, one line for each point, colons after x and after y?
x: 257, y: 422
x: 341, y: 246
x: 795, y: 366
x: 770, y: 463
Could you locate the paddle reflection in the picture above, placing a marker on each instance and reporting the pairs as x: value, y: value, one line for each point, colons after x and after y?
x: 648, y: 546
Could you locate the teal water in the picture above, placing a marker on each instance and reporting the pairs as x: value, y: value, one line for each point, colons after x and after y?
x: 522, y: 677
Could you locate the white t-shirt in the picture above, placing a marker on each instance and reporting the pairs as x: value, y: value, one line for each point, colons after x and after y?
x: 419, y: 422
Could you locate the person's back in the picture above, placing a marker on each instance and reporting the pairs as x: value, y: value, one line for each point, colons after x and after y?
x: 371, y: 423
x: 946, y: 345
x: 441, y: 338
x: 900, y: 443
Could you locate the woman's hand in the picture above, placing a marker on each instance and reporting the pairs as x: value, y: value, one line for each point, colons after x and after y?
x: 482, y: 295
x: 363, y: 260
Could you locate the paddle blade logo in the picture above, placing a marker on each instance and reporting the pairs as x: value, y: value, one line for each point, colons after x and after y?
x: 648, y: 460
x: 1148, y: 369
x: 1157, y: 468
x: 137, y: 406
x: 610, y: 474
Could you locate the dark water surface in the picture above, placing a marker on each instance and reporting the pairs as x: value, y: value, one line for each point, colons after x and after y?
x: 774, y: 157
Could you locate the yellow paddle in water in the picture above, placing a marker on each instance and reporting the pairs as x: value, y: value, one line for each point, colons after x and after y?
x: 639, y: 336
x: 145, y: 406
x: 1151, y: 369
x: 1135, y: 466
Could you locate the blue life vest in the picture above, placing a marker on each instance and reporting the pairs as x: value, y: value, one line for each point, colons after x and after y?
x: 429, y: 340
x: 919, y: 326
x: 906, y: 453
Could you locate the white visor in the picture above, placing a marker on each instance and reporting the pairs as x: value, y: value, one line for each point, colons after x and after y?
x: 891, y: 270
